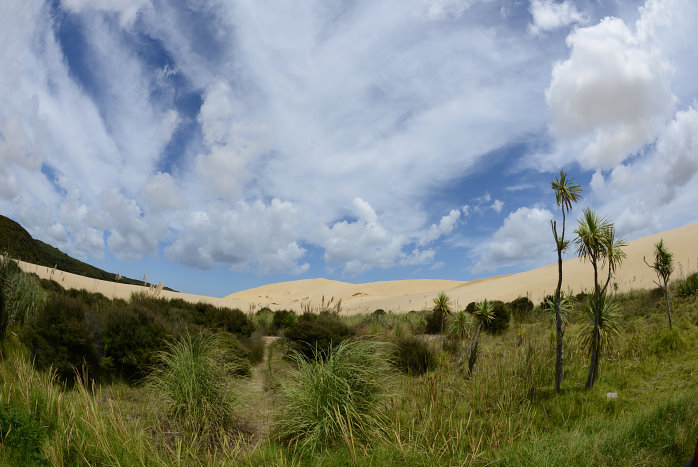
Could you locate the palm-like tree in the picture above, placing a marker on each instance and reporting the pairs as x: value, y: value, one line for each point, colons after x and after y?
x: 596, y: 243
x: 442, y: 306
x: 484, y: 313
x: 608, y: 324
x: 663, y: 265
x: 566, y: 193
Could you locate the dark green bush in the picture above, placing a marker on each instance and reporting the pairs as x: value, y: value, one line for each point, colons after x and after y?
x: 263, y: 317
x: 521, y: 308
x: 501, y: 319
x: 413, y: 356
x: 255, y: 347
x: 282, y: 320
x: 471, y: 307
x: 131, y: 340
x: 432, y: 323
x: 316, y: 335
x: 60, y: 337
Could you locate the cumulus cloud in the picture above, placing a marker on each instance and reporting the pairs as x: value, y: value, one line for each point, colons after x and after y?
x: 497, y: 205
x: 613, y: 93
x: 656, y: 189
x: 248, y: 236
x: 445, y: 227
x: 523, y: 239
x: 161, y: 193
x: 549, y: 15
x: 131, y: 237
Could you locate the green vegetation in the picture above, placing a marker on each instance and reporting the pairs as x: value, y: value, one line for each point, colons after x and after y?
x: 339, y: 396
x: 566, y: 193
x: 88, y: 380
x: 663, y: 265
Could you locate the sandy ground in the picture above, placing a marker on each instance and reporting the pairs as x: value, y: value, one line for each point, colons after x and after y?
x: 406, y: 295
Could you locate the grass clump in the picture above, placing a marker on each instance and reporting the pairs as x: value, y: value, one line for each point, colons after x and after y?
x: 192, y: 385
x: 687, y: 287
x: 338, y: 397
x: 413, y: 356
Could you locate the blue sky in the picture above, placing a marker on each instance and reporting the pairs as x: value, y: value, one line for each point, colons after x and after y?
x: 222, y: 145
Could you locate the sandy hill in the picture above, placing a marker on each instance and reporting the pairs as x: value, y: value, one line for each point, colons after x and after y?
x: 405, y: 295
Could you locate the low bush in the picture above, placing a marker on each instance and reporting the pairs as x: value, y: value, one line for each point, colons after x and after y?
x: 339, y: 397
x: 131, y: 339
x: 501, y: 319
x: 60, y: 337
x: 687, y: 287
x: 282, y: 320
x: 313, y: 336
x: 669, y: 340
x: 235, y: 355
x: 432, y: 323
x: 255, y: 347
x: 521, y: 309
x: 413, y: 356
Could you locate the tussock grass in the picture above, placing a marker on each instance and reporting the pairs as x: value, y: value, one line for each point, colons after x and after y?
x: 192, y: 386
x: 340, y: 396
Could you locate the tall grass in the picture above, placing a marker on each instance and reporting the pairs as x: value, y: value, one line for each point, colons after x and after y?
x: 193, y: 388
x: 337, y: 397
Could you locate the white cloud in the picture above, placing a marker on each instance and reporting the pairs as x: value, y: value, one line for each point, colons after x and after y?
x: 613, y: 93
x: 549, y: 15
x: 445, y: 227
x: 523, y: 239
x: 131, y: 237
x: 126, y: 9
x: 497, y: 205
x: 360, y: 245
x: 656, y: 190
x: 161, y: 193
x: 248, y: 236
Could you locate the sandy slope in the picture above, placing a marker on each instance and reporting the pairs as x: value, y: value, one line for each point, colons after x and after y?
x: 402, y: 296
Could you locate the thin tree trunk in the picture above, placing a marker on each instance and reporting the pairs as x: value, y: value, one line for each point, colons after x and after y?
x: 594, y: 364
x: 442, y: 331
x: 668, y: 305
x: 558, y: 315
x: 473, y: 352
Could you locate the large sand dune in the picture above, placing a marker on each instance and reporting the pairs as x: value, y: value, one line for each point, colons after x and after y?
x: 405, y: 295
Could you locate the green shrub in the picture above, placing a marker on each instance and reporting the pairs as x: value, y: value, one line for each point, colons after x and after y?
x: 282, y: 320
x: 255, y: 347
x: 339, y: 397
x: 131, y: 339
x: 313, y: 336
x: 235, y: 355
x: 669, y: 340
x: 263, y: 321
x: 8, y: 270
x: 21, y: 436
x: 193, y: 386
x: 501, y: 319
x: 60, y: 337
x: 521, y: 308
x: 432, y: 323
x: 687, y: 287
x: 413, y: 356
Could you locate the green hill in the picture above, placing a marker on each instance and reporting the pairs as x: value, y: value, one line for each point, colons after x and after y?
x: 16, y: 241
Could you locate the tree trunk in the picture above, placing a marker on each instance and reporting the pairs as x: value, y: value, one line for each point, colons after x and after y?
x: 558, y: 326
x: 473, y: 352
x: 668, y: 305
x: 442, y: 331
x: 594, y: 364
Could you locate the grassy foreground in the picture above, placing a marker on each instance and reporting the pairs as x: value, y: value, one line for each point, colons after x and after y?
x: 351, y: 408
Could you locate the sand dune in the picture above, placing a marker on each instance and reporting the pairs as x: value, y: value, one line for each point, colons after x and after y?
x: 405, y: 295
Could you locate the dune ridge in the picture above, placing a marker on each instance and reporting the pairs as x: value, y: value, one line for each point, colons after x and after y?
x: 415, y: 294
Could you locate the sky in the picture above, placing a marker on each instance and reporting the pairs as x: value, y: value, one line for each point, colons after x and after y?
x: 219, y: 145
